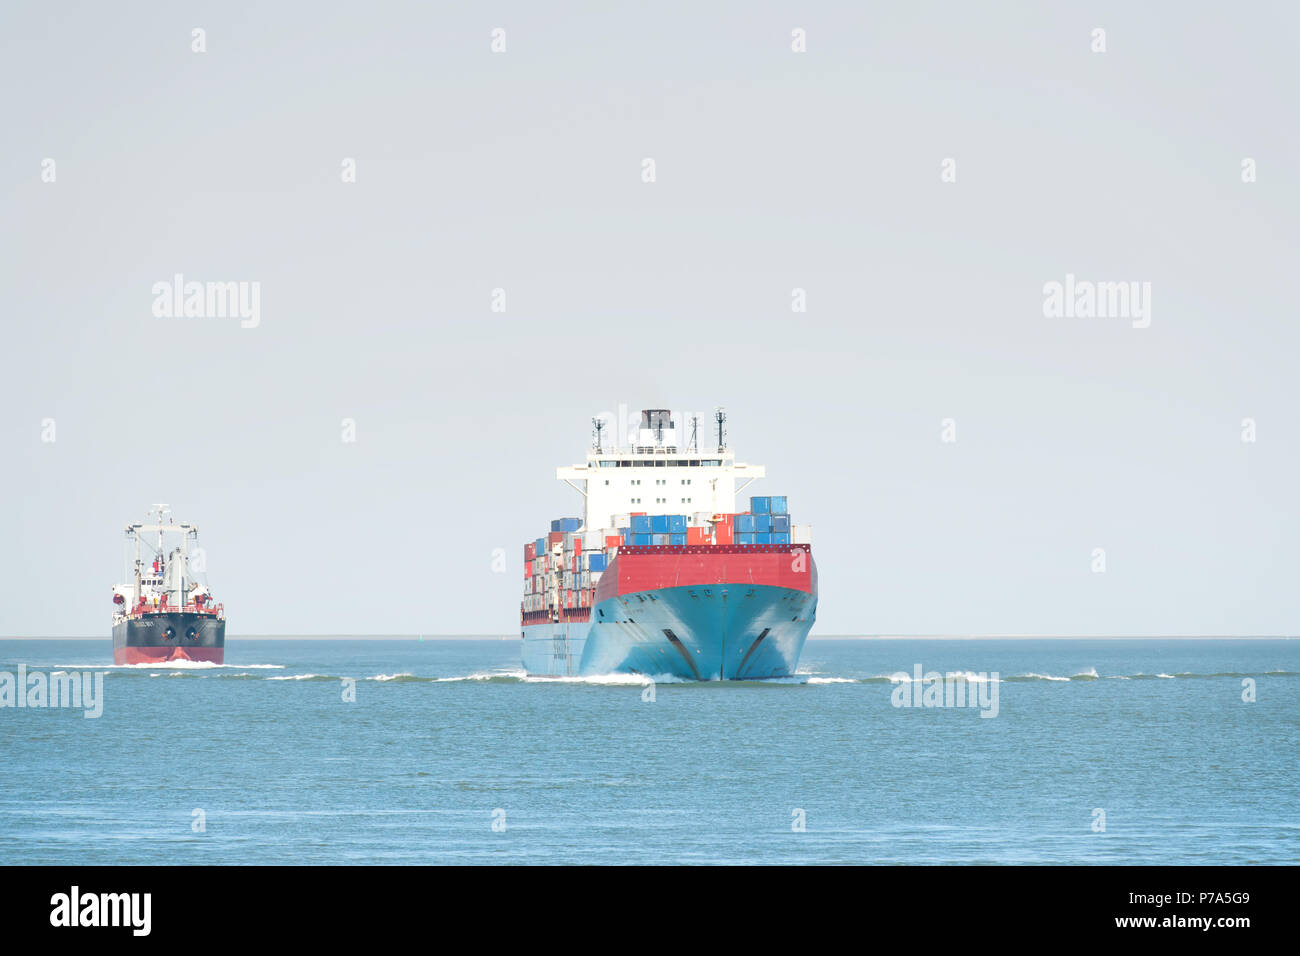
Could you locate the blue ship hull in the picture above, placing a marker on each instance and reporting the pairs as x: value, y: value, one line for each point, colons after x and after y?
x: 723, y: 632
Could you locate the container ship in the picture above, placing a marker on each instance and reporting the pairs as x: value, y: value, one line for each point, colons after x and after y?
x: 164, y: 614
x: 662, y: 576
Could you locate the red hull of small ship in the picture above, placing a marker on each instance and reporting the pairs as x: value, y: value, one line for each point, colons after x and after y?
x: 163, y: 655
x: 169, y: 636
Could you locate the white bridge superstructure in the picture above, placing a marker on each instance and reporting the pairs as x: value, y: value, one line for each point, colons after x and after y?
x: 656, y: 475
x: 168, y: 579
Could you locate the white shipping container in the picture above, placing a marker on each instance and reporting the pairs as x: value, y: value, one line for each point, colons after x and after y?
x: 801, y: 534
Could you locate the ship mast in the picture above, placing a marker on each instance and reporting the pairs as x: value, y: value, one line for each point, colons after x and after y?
x: 134, y: 531
x: 173, y: 574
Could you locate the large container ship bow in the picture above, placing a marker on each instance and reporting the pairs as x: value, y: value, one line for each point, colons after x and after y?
x: 165, y: 614
x: 662, y: 575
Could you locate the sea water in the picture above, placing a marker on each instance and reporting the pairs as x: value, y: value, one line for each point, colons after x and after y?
x: 443, y: 751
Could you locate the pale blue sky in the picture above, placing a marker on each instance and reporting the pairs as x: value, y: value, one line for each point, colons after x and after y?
x: 775, y: 170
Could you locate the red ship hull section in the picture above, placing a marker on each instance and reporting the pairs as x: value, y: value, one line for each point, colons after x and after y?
x: 650, y: 568
x: 163, y: 655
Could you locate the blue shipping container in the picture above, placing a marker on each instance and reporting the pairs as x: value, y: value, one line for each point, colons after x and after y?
x: 677, y: 524
x: 745, y: 537
x: 597, y: 560
x: 641, y: 539
x: 659, y: 524
x: 780, y: 522
x: 743, y: 523
x: 641, y: 524
x: 677, y: 538
x: 541, y: 546
x: 780, y: 537
x: 760, y: 506
x: 762, y: 523
x: 778, y: 505
x: 555, y: 524
x: 571, y: 524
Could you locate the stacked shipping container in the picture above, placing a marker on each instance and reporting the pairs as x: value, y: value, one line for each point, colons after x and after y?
x: 562, y: 569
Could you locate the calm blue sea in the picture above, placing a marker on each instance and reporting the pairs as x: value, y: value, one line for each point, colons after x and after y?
x: 446, y: 738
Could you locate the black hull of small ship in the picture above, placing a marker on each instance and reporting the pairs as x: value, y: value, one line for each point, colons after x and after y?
x: 170, y: 636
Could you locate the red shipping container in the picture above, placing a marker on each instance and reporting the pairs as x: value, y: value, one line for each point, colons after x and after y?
x: 530, y: 550
x: 613, y: 540
x: 697, y: 535
x: 555, y: 537
x: 722, y: 531
x: 635, y: 514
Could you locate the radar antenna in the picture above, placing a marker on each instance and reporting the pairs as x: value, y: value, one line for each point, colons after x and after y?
x: 599, y: 426
x: 720, y: 416
x: 694, y: 447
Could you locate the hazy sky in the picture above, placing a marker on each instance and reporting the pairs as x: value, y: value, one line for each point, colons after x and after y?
x: 774, y: 170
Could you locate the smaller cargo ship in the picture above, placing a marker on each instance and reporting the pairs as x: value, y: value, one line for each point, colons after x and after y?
x: 165, y: 614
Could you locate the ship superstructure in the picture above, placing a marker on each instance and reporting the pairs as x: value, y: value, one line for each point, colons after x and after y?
x: 662, y: 575
x: 165, y: 613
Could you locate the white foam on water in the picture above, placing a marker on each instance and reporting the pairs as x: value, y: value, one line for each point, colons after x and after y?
x: 391, y: 676
x: 297, y: 677
x: 970, y: 677
x: 637, y: 680
x: 826, y: 680
x: 168, y: 665
x: 484, y: 675
x: 901, y: 677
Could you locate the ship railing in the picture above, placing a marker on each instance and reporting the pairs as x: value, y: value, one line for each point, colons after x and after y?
x: 213, y: 610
